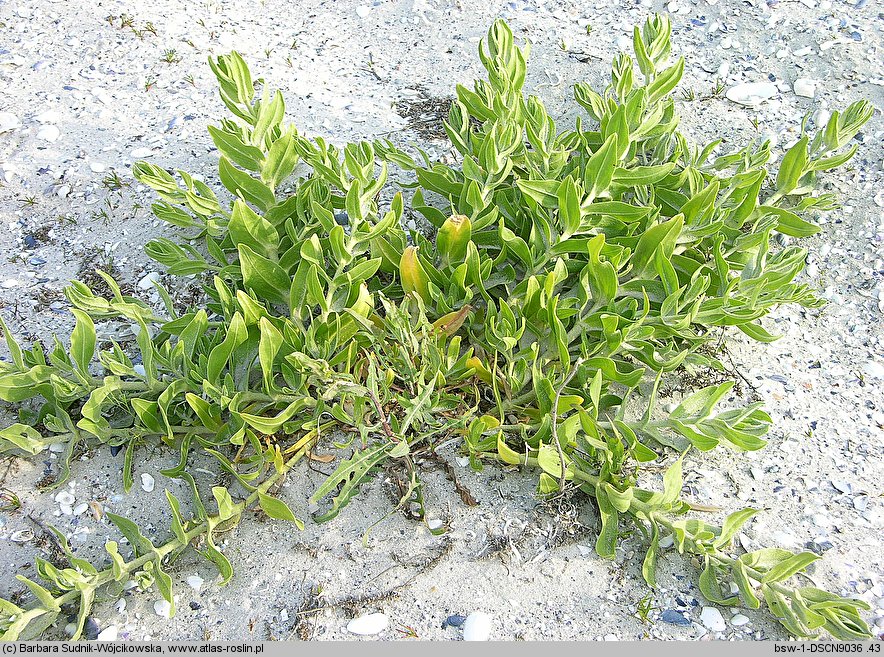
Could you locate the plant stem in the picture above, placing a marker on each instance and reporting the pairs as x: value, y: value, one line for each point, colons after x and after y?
x: 106, y: 576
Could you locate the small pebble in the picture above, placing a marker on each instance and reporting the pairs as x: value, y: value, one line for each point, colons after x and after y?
x: 141, y: 152
x: 64, y: 497
x: 477, y: 627
x: 49, y: 133
x: 368, y: 625
x: 674, y: 617
x: 147, y: 482
x: 91, y: 629
x: 363, y: 11
x: 453, y: 621
x: 804, y: 87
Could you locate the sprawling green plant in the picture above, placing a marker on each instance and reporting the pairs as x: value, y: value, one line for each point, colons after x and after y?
x: 569, y: 269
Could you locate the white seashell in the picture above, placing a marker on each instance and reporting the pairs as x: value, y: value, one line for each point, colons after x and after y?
x: 363, y: 11
x: 22, y: 536
x: 739, y: 620
x: 65, y: 497
x: 195, y: 582
x: 712, y: 619
x: 81, y: 508
x: 146, y: 283
x: 751, y: 94
x: 162, y: 608
x: 147, y: 482
x: 368, y: 625
x: 141, y: 152
x: 8, y: 121
x: 477, y: 627
x: 108, y: 634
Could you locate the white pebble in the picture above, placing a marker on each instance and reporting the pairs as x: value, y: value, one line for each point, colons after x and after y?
x: 712, y: 619
x: 65, y: 497
x: 108, y: 634
x: 477, y: 627
x: 283, y: 615
x: 195, y: 582
x: 162, y: 608
x: 363, y: 11
x: 97, y: 167
x: 368, y: 625
x: 751, y: 94
x: 804, y: 87
x: 81, y: 508
x: 147, y: 482
x: 141, y: 152
x: 434, y: 524
x: 48, y: 133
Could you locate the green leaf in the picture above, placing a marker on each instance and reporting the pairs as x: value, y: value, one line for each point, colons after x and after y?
x: 348, y: 477
x: 220, y: 354
x: 227, y: 508
x: 544, y: 192
x: 268, y: 347
x: 278, y: 510
x: 792, y: 167
x: 249, y: 228
x: 281, y: 160
x: 21, y: 436
x: 789, y: 223
x: 269, y: 425
x: 789, y: 566
x: 233, y: 147
x: 732, y: 525
x: 83, y: 341
x: 649, y: 564
x: 711, y: 589
x: 242, y: 184
x: 264, y: 277
x: 607, y: 540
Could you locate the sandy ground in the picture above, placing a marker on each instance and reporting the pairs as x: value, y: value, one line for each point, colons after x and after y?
x: 93, y: 86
